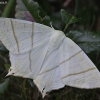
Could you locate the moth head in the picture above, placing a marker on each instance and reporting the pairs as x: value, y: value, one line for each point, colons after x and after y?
x: 59, y: 32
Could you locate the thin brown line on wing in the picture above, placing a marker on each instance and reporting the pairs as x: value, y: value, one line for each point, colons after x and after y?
x: 30, y: 58
x: 32, y: 33
x: 62, y: 62
x: 32, y: 46
x: 78, y: 73
x: 15, y: 35
x: 24, y: 26
x: 71, y: 57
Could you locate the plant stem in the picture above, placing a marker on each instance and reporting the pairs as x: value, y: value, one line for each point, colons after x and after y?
x: 68, y: 23
x: 66, y: 27
x: 8, y: 8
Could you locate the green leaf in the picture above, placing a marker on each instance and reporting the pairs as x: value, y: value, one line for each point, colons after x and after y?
x: 7, y: 66
x: 68, y: 18
x: 88, y: 41
x: 4, y: 86
x: 37, y: 12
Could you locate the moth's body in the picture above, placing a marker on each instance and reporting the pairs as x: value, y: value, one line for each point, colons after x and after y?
x: 47, y: 56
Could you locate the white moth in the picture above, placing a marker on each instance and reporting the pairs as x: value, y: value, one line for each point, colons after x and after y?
x: 47, y: 56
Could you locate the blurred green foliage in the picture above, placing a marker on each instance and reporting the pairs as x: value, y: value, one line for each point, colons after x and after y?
x: 36, y: 11
x: 86, y: 33
x: 3, y: 86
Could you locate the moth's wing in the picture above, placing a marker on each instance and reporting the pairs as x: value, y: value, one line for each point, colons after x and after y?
x: 67, y: 65
x: 49, y: 77
x: 16, y: 35
x: 77, y: 70
x: 19, y: 35
x: 27, y: 43
x: 28, y: 64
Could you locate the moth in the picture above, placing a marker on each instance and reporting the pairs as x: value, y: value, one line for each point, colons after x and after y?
x: 47, y: 56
